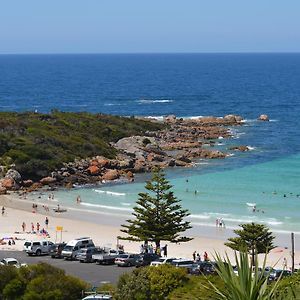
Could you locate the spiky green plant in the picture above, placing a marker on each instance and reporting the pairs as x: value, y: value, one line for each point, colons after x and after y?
x: 249, y: 284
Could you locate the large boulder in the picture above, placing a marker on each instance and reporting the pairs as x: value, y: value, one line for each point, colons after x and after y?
x: 8, y: 183
x: 111, y: 175
x: 103, y: 162
x: 93, y: 170
x: 3, y: 190
x: 263, y: 118
x: 27, y: 183
x: 240, y: 148
x: 47, y: 180
x: 170, y: 119
x: 13, y: 174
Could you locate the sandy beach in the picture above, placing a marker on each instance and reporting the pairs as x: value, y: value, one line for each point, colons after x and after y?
x: 104, y: 229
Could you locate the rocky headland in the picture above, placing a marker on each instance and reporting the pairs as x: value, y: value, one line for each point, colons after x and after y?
x: 179, y: 143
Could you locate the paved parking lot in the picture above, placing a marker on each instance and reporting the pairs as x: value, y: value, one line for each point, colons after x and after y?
x: 89, y: 272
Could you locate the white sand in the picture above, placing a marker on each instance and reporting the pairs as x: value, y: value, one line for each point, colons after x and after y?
x: 103, y: 235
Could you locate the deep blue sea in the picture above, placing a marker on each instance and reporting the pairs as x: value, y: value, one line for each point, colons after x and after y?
x: 186, y: 85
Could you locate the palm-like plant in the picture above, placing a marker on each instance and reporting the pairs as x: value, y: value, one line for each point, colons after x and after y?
x: 249, y: 284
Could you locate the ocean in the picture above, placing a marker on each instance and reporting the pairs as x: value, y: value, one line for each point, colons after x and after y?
x: 186, y: 85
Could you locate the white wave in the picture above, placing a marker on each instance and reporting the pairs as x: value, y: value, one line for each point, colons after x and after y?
x: 230, y: 154
x: 273, y: 222
x: 144, y: 101
x: 109, y: 193
x: 105, y: 206
x: 251, y: 204
x: 125, y: 203
x: 159, y: 118
x: 220, y: 137
x: 251, y: 148
x: 199, y: 216
x: 192, y: 117
x: 273, y: 120
x: 113, y: 104
x: 249, y: 120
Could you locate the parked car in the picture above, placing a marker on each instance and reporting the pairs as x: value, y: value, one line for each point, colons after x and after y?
x: 56, y: 249
x: 126, y: 260
x: 11, y: 262
x: 37, y: 247
x: 204, y: 267
x: 74, y: 246
x: 107, y: 256
x: 162, y: 260
x: 276, y: 273
x: 182, y: 263
x: 86, y: 254
x: 145, y: 259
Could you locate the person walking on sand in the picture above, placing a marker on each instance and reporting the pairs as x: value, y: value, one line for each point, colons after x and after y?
x: 47, y: 222
x: 38, y: 226
x: 23, y: 226
x: 194, y: 256
x: 78, y: 200
x: 205, y: 256
x: 165, y: 250
x: 32, y: 227
x: 3, y: 211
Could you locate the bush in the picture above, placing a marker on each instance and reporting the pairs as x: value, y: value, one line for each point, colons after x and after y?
x: 150, y: 283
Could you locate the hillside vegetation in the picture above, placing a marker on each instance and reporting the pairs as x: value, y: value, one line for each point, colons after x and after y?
x: 39, y: 143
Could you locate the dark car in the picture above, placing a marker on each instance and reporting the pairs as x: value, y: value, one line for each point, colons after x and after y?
x: 205, y: 268
x: 275, y: 274
x: 145, y: 259
x: 86, y: 254
x: 55, y: 250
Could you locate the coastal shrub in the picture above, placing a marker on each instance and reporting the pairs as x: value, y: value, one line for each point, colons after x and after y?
x: 61, y: 137
x: 198, y: 287
x: 150, y: 283
x: 288, y: 288
x: 7, y: 274
x: 14, y: 289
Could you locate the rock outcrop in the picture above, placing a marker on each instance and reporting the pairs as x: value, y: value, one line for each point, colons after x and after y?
x: 264, y: 118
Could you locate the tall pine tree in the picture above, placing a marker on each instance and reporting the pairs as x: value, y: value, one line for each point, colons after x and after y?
x: 158, y: 215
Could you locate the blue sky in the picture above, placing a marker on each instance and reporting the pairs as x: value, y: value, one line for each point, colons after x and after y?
x: 114, y: 26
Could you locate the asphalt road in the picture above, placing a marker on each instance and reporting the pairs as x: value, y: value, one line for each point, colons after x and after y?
x: 92, y: 273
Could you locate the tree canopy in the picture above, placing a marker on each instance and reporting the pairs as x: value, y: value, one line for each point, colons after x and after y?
x: 158, y: 214
x: 252, y: 238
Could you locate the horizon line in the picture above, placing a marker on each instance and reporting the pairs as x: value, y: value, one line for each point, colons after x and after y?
x: 134, y: 53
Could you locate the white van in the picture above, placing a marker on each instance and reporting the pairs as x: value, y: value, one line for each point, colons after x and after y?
x: 74, y: 246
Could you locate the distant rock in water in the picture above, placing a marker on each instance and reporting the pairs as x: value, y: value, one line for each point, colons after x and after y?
x: 263, y: 118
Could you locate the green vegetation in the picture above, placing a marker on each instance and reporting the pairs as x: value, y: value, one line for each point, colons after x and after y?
x: 39, y: 143
x: 250, y: 282
x: 252, y: 238
x: 158, y: 214
x: 39, y: 282
x: 150, y: 283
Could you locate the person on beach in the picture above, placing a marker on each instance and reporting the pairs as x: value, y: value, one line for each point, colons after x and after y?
x: 284, y: 263
x: 217, y: 222
x: 165, y: 250
x: 32, y: 227
x: 38, y: 226
x: 46, y: 222
x: 221, y: 222
x: 205, y: 256
x: 23, y: 226
x: 49, y: 197
x: 198, y: 258
x: 78, y: 200
x: 3, y: 211
x: 194, y: 256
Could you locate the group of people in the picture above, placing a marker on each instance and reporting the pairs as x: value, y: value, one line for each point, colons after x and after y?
x: 220, y: 223
x: 148, y: 248
x: 38, y: 227
x: 197, y: 256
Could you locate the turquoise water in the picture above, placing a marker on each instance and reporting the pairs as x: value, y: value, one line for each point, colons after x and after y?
x: 220, y: 194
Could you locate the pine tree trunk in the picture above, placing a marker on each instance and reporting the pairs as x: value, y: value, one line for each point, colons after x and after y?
x: 157, y: 250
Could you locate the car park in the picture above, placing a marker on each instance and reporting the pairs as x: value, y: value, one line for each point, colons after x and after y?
x: 126, y: 260
x: 10, y: 261
x: 182, y: 263
x: 74, y: 246
x: 86, y: 254
x: 162, y: 260
x: 56, y: 249
x: 145, y: 259
x: 106, y: 256
x: 37, y: 247
x: 202, y: 268
x: 275, y: 274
